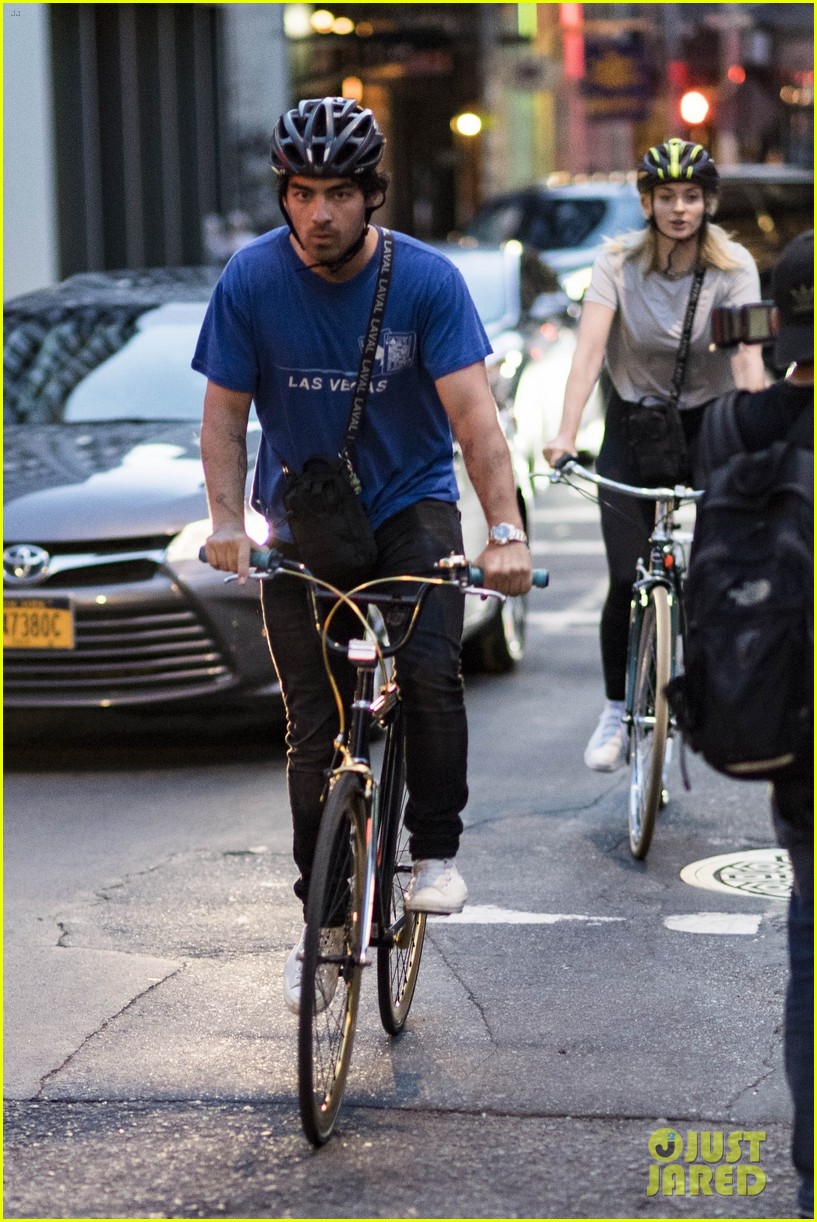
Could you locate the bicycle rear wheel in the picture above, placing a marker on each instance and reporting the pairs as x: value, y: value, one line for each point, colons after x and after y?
x: 401, y: 933
x: 330, y: 988
x: 650, y: 720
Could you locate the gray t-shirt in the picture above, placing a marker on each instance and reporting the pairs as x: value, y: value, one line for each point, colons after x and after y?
x: 646, y: 331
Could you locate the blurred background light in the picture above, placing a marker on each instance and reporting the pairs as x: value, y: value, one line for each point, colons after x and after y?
x: 694, y: 107
x: 296, y: 20
x: 322, y: 21
x: 466, y: 124
x: 352, y: 87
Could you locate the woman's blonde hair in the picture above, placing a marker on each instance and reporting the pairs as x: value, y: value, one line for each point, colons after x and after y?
x: 642, y: 244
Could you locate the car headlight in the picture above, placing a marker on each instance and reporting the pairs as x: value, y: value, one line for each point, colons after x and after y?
x: 190, y: 540
x: 576, y: 284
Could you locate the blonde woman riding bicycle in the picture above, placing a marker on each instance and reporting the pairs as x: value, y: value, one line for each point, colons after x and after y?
x: 645, y: 328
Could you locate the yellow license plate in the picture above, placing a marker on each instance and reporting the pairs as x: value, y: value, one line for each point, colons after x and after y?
x: 37, y: 623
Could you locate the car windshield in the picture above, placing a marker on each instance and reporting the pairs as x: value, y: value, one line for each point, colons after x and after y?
x: 92, y: 363
x: 543, y: 222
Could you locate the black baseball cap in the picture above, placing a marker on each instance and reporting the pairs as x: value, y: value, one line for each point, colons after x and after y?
x: 793, y: 294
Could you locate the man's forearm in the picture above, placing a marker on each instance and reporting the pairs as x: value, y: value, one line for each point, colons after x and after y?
x: 224, y: 457
x: 489, y: 467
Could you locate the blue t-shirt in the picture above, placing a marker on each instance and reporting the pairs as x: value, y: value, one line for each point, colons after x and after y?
x: 283, y: 334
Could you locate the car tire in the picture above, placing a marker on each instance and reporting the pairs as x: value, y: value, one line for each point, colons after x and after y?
x: 498, y: 646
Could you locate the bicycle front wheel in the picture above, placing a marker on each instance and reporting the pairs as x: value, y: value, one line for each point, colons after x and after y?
x: 333, y: 950
x: 650, y: 720
x: 401, y: 933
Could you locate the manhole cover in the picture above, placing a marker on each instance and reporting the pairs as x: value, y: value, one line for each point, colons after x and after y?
x: 765, y: 872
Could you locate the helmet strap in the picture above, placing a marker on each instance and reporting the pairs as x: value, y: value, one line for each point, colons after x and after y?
x: 331, y: 265
x: 334, y: 265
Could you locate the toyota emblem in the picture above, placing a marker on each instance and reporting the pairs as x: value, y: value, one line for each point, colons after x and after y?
x: 25, y: 564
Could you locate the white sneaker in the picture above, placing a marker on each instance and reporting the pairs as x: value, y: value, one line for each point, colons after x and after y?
x: 436, y: 885
x: 326, y: 977
x: 607, y: 749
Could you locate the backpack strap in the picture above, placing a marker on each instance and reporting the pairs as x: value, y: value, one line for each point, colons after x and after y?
x: 722, y: 436
x: 801, y: 433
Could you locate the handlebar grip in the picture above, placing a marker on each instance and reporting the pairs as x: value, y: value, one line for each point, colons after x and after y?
x: 266, y: 559
x: 541, y: 577
x: 564, y: 460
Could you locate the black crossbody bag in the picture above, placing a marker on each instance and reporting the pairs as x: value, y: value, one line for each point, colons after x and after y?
x: 655, y: 433
x: 324, y: 509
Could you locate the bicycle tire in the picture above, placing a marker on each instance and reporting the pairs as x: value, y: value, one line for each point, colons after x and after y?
x: 650, y: 721
x: 401, y: 933
x: 328, y: 1015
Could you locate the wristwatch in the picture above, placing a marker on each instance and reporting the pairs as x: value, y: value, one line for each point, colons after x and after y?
x: 504, y: 533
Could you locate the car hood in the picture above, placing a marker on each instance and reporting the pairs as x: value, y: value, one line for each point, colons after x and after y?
x: 110, y: 480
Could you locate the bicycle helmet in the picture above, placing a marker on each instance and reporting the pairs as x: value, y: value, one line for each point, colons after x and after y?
x: 677, y: 161
x: 326, y: 138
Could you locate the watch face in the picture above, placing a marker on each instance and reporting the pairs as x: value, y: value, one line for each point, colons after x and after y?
x: 503, y: 532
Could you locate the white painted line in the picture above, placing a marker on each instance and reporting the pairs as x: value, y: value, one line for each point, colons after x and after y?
x: 489, y: 914
x: 582, y: 613
x: 567, y: 547
x: 715, y: 922
x: 566, y: 513
x: 561, y: 621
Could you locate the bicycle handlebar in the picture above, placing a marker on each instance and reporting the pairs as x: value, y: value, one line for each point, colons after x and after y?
x: 271, y: 561
x: 570, y: 465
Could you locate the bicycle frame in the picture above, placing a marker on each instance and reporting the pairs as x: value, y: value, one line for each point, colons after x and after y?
x: 367, y: 709
x: 362, y: 844
x: 656, y: 621
x: 662, y: 569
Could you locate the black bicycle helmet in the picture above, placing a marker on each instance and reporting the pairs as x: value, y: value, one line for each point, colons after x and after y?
x: 326, y: 138
x: 677, y: 161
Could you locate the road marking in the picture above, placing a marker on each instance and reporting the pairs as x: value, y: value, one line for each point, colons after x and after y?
x: 567, y: 547
x: 489, y: 914
x: 561, y: 621
x: 715, y: 922
x: 585, y: 611
x: 566, y: 513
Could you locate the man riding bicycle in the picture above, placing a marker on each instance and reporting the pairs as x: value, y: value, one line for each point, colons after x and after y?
x: 284, y: 329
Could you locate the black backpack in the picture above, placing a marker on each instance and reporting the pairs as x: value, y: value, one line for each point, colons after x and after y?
x: 745, y: 699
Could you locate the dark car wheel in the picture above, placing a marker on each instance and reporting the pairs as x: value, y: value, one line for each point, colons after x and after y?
x: 501, y: 643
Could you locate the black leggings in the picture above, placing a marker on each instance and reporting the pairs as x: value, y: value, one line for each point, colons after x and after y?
x: 626, y: 525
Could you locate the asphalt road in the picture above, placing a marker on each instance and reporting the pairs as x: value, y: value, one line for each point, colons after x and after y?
x: 582, y: 1003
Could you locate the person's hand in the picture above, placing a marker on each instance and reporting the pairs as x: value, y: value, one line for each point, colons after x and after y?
x: 506, y: 567
x: 561, y: 444
x: 228, y: 548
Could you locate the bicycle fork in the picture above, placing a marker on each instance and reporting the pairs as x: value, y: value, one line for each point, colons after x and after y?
x: 638, y: 605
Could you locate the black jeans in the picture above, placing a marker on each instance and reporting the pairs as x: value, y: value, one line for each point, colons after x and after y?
x: 626, y: 525
x: 793, y: 813
x: 430, y: 683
